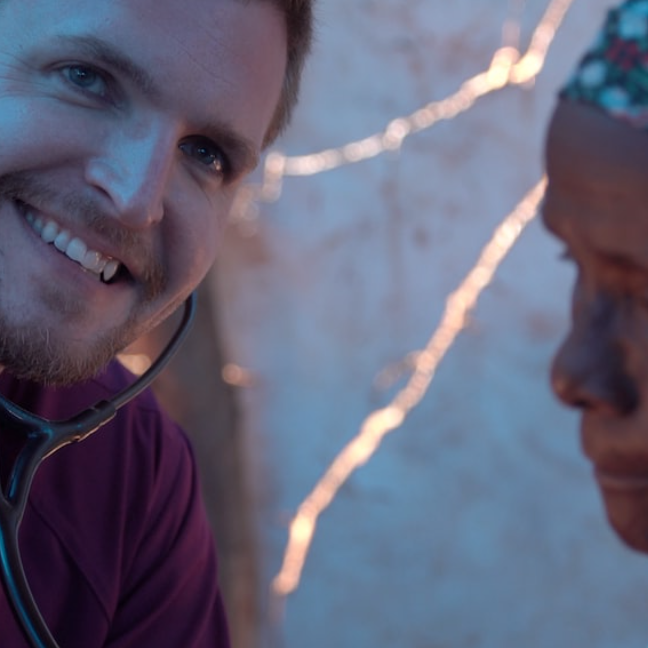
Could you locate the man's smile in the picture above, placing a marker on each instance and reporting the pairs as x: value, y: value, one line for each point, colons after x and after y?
x: 105, y: 268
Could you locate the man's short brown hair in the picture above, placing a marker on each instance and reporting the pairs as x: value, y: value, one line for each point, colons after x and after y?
x: 299, y: 28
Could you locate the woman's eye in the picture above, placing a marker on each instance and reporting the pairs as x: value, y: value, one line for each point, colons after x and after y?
x: 86, y: 78
x: 205, y: 153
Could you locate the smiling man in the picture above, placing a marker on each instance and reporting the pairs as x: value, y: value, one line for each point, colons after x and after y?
x: 126, y: 127
x: 597, y: 204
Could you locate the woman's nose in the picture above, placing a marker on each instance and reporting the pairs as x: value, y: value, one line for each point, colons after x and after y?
x: 589, y: 372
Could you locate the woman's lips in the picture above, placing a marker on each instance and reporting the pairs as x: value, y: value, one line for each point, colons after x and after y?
x: 616, y: 480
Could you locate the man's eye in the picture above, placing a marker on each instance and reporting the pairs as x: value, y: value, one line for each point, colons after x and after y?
x: 86, y: 78
x: 205, y: 153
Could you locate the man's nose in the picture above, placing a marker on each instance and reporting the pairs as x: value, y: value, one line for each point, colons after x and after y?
x: 133, y: 173
x: 590, y: 371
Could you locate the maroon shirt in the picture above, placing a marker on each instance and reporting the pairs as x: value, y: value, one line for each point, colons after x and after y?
x: 115, y: 539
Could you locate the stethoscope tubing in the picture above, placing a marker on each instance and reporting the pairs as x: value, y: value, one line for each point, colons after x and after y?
x: 44, y: 438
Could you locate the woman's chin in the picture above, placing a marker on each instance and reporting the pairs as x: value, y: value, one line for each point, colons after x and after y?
x: 627, y: 512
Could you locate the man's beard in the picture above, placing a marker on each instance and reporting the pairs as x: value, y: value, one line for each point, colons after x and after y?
x: 30, y: 353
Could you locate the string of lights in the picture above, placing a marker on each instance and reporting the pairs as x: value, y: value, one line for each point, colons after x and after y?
x: 508, y: 67
x: 382, y: 421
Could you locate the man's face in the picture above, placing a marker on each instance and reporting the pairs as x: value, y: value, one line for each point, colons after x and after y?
x: 125, y: 128
x: 597, y: 204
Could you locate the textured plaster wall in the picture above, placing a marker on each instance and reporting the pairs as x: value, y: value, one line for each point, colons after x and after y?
x: 477, y: 523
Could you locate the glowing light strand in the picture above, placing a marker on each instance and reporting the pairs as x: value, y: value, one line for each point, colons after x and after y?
x: 380, y: 422
x: 507, y: 68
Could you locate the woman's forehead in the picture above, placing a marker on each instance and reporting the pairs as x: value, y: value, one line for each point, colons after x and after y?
x: 585, y: 142
x: 597, y: 194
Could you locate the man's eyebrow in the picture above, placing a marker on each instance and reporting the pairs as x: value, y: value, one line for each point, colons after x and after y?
x: 107, y: 54
x: 243, y: 151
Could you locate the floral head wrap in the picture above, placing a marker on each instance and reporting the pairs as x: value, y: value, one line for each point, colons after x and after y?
x: 613, y: 74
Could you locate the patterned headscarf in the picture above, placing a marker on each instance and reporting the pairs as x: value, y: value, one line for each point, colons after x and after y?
x: 613, y: 74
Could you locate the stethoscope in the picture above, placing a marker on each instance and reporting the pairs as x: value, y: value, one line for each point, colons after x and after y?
x: 44, y: 438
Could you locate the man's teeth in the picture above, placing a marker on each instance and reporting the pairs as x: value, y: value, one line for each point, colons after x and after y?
x: 74, y: 248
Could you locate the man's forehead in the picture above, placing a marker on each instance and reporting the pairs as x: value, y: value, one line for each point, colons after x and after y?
x: 184, y: 21
x: 223, y: 56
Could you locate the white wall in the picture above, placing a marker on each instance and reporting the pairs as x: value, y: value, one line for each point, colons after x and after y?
x: 476, y: 524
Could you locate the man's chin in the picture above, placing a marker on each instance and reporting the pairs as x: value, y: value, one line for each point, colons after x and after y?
x: 627, y: 512
x: 34, y: 355
x: 58, y: 372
